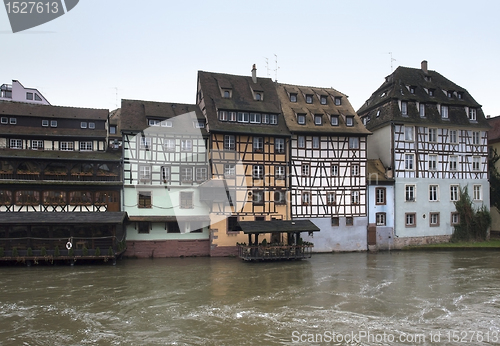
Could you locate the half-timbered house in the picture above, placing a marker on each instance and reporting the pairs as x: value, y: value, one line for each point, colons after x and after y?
x: 58, y: 184
x: 248, y: 144
x: 328, y: 165
x: 433, y: 135
x: 165, y: 161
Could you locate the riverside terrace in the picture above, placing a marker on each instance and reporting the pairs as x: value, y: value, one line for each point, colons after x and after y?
x: 285, y: 243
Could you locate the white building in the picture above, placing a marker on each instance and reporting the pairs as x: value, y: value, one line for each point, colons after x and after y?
x: 18, y: 93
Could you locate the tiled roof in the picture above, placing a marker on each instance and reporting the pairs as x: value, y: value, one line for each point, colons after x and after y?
x: 376, y: 173
x: 51, y: 112
x: 135, y: 114
x: 242, y: 99
x: 292, y: 109
x: 382, y: 107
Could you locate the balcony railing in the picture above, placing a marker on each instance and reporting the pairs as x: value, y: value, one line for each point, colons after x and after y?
x: 274, y: 252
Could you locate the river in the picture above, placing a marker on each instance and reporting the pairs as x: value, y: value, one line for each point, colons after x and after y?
x: 399, y: 297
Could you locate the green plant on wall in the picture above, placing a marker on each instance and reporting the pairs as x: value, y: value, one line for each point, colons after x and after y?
x: 57, y: 252
x: 85, y: 251
x: 473, y: 223
x: 43, y: 251
x: 97, y: 252
x: 15, y: 253
x: 30, y: 252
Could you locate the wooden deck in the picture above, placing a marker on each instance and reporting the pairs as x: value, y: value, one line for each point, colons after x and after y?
x: 274, y: 252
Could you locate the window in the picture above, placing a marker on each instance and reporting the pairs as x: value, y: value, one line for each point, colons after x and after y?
x: 186, y: 145
x: 229, y: 170
x: 223, y: 115
x: 144, y: 173
x: 293, y: 97
x: 258, y: 197
x: 165, y: 173
x: 145, y: 143
x: 454, y: 193
x: 201, y: 173
x: 54, y: 198
x: 338, y: 100
x: 16, y: 144
x: 432, y: 162
x: 431, y: 92
x: 37, y: 98
x: 229, y: 142
x: 173, y: 227
x: 232, y: 224
x: 433, y: 135
x: 455, y: 219
x: 29, y: 96
x: 255, y: 118
x: 315, y: 143
x: 112, y: 130
x: 475, y: 137
x: 27, y: 197
x: 279, y: 197
x: 258, y: 144
x: 279, y: 172
x: 410, y: 193
x: 83, y: 125
x: 408, y: 131
x: 349, y: 121
x: 449, y: 93
x: 410, y: 220
x: 226, y: 94
x: 477, y: 195
x: 476, y: 162
x: 243, y: 117
x: 404, y: 108
x: 335, y: 221
x: 169, y: 144
x: 355, y: 197
x: 258, y: 172
x: 433, y: 193
x: 86, y: 146
x: 301, y: 119
x: 453, y: 163
x: 258, y: 97
x: 412, y: 89
x: 472, y: 114
x: 36, y: 144
x: 380, y: 219
x: 186, y: 174
x: 186, y: 200
x: 349, y: 221
x: 334, y: 120
x: 309, y: 98
x: 355, y: 170
x: 301, y: 141
x: 144, y: 200
x: 380, y: 195
x: 13, y: 121
x: 273, y: 119
x: 265, y: 118
x: 353, y: 143
x: 444, y: 112
x: 460, y: 95
x: 409, y: 162
x: 66, y: 146
x: 306, y: 198
x: 91, y: 126
x: 5, y: 120
x: 434, y: 219
x: 143, y: 227
x: 335, y: 170
x: 453, y: 136
x: 53, y: 123
x: 323, y: 99
x: 305, y: 170
x: 279, y: 145
x: 330, y: 198
x: 421, y: 109
x: 318, y: 119
x: 232, y: 116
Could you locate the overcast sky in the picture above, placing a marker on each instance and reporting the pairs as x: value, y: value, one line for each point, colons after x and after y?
x: 106, y: 50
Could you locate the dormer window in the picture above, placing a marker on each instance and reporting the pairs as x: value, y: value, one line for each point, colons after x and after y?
x: 226, y: 93
x: 449, y: 93
x: 301, y: 119
x: 334, y: 120
x: 293, y: 97
x: 421, y: 109
x: 412, y: 89
x: 318, y: 119
x: 309, y: 99
x: 460, y: 95
x: 444, y: 112
x: 323, y: 99
x: 166, y: 123
x: 349, y: 121
x: 200, y: 124
x: 258, y: 97
x: 29, y: 96
x: 338, y: 101
x: 243, y: 117
x: 45, y: 123
x: 404, y: 108
x: 431, y: 92
x: 472, y: 114
x: 154, y: 122
x: 53, y: 123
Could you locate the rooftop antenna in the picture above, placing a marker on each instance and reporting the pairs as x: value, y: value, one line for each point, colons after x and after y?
x: 267, y: 66
x: 276, y: 70
x: 392, y: 59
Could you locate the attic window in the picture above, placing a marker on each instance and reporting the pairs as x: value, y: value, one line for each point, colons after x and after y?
x: 338, y: 101
x: 323, y: 99
x: 309, y: 99
x: 460, y: 95
x: 226, y: 93
x: 431, y: 92
x: 37, y: 98
x: 318, y: 119
x: 334, y: 120
x: 166, y: 123
x: 258, y: 97
x: 301, y: 119
x: 412, y: 89
x: 404, y: 108
x: 293, y: 97
x: 349, y: 121
x: 154, y: 122
x: 472, y: 114
x: 378, y: 113
x: 29, y: 96
x: 449, y: 93
x: 200, y: 124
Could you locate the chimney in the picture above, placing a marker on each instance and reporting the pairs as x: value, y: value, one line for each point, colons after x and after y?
x: 424, y: 66
x: 254, y: 73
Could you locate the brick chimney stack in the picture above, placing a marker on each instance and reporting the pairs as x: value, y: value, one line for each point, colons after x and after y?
x: 424, y: 66
x: 254, y: 73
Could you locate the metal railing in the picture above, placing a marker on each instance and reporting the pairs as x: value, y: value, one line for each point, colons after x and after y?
x: 274, y: 252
